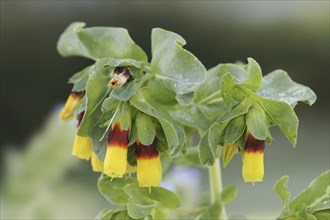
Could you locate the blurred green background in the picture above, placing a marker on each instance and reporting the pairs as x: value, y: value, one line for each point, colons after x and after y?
x: 290, y: 35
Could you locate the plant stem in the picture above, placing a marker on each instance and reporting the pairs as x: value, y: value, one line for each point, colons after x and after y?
x: 216, y: 185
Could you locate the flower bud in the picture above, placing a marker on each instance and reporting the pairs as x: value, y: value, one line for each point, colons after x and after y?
x: 70, y: 106
x: 229, y: 150
x: 149, y: 167
x: 253, y: 162
x: 120, y: 76
x: 115, y: 162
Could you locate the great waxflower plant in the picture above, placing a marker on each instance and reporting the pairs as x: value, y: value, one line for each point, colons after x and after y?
x: 134, y: 113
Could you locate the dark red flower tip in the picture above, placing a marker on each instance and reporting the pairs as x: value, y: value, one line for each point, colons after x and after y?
x: 253, y: 145
x: 77, y: 94
x: 117, y: 136
x: 145, y: 152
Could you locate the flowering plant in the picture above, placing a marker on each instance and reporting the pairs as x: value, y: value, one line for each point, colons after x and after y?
x: 135, y: 115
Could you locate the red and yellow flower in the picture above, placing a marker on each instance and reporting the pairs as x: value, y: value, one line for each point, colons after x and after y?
x: 253, y: 161
x: 67, y: 112
x: 149, y: 167
x: 115, y: 162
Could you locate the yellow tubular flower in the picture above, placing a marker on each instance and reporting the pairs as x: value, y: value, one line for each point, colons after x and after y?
x: 253, y: 162
x: 115, y: 162
x: 70, y: 105
x: 149, y: 167
x: 97, y: 165
x: 82, y: 146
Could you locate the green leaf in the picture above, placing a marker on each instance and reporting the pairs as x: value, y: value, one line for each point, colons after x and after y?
x: 121, y: 215
x: 135, y: 211
x: 191, y: 116
x: 311, y: 196
x: 109, y: 104
x: 99, y: 136
x: 157, y: 195
x: 323, y: 214
x: 99, y: 42
x: 213, y: 211
x: 96, y: 91
x: 282, y: 115
x: 235, y: 129
x: 104, y: 214
x: 227, y: 88
x: 125, y: 62
x: 69, y: 44
x: 277, y: 85
x: 216, y: 134
x: 257, y: 122
x: 145, y: 128
x: 113, y: 189
x: 281, y: 188
x: 79, y: 80
x: 236, y: 110
x: 174, y: 133
x: 206, y: 155
x: 254, y: 75
x: 214, y: 77
x: 102, y: 42
x: 228, y: 194
x: 176, y: 68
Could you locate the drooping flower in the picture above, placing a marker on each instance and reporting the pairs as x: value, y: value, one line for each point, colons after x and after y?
x: 115, y: 162
x: 67, y: 112
x: 82, y: 146
x: 253, y: 161
x: 149, y: 167
x: 97, y: 165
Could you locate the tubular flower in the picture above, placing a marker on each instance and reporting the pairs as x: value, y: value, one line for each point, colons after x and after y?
x: 253, y: 162
x: 149, y: 167
x: 115, y: 162
x: 97, y: 165
x: 70, y: 105
x: 82, y: 146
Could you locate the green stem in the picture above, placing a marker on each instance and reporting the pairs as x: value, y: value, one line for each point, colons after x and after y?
x: 216, y: 185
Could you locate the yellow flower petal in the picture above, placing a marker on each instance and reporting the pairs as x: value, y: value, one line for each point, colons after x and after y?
x: 253, y: 167
x: 97, y: 165
x: 70, y: 106
x: 115, y: 162
x: 82, y: 147
x: 149, y: 172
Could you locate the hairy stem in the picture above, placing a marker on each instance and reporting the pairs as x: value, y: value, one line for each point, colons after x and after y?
x: 216, y: 185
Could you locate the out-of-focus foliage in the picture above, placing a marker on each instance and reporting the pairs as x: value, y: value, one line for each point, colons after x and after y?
x: 312, y: 204
x: 42, y: 181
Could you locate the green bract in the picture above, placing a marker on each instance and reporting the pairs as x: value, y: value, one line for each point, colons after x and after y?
x: 166, y: 101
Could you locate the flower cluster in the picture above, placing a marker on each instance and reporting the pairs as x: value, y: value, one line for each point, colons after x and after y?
x: 115, y: 163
